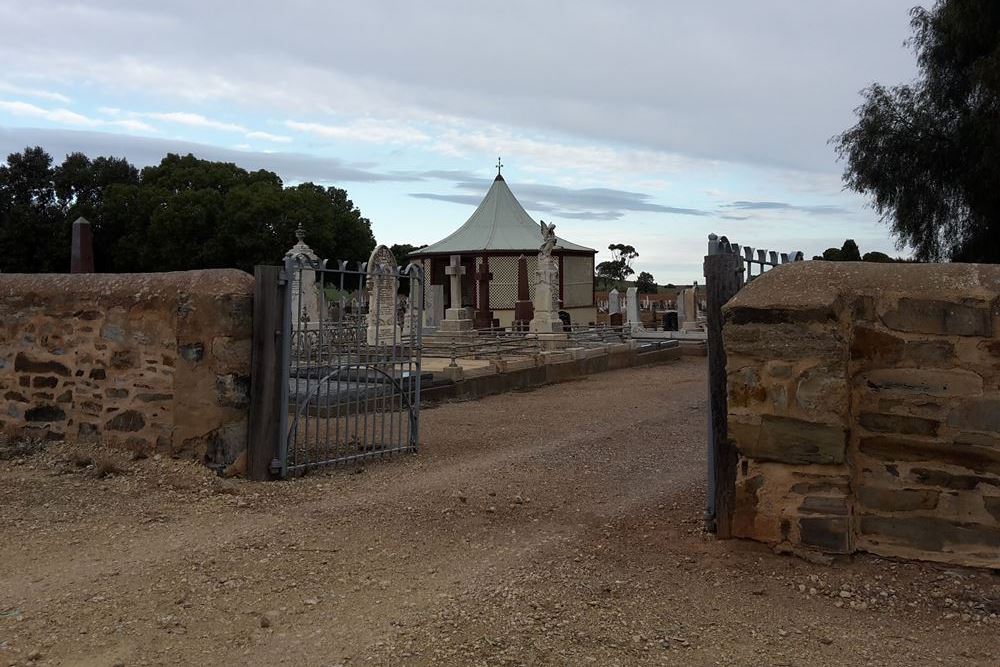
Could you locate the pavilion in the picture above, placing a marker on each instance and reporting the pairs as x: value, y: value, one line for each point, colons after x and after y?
x: 489, y: 244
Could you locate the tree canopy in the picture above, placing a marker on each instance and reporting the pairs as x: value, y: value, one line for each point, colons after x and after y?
x: 928, y: 153
x: 185, y: 213
x: 619, y: 267
x: 849, y: 252
x: 644, y: 283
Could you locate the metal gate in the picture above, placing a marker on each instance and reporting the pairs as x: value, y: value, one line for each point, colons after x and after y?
x: 728, y: 268
x: 349, y: 357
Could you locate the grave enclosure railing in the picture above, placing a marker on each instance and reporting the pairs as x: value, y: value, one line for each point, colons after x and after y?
x: 728, y: 268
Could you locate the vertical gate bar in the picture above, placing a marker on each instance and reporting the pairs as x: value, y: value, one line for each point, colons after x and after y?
x: 416, y: 353
x: 323, y: 324
x: 722, y: 280
x: 367, y: 353
x: 341, y: 332
x: 357, y: 367
x: 303, y: 347
x: 264, y: 431
x: 286, y: 360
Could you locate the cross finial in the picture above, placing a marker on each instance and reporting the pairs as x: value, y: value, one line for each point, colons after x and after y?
x: 499, y: 166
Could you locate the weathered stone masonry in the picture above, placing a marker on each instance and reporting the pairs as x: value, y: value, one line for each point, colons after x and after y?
x: 865, y: 403
x: 149, y: 362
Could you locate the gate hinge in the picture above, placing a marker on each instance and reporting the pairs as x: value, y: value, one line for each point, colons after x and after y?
x: 282, y: 277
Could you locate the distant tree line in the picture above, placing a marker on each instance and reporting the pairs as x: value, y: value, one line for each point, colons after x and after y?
x: 849, y: 252
x: 185, y: 213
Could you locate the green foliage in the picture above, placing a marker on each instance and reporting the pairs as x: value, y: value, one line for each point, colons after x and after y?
x: 876, y: 256
x: 928, y: 153
x: 184, y: 213
x: 645, y: 284
x: 849, y: 252
x: 619, y: 267
x: 401, y: 250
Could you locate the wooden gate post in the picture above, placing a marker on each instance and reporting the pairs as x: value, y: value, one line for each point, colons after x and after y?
x: 723, y: 279
x: 267, y: 375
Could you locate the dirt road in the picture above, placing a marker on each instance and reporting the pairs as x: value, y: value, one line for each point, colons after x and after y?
x: 559, y: 526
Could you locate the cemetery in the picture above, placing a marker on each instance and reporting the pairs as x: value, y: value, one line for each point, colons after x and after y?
x: 850, y: 412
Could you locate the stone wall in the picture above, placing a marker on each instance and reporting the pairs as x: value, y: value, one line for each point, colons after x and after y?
x: 148, y: 362
x: 864, y: 400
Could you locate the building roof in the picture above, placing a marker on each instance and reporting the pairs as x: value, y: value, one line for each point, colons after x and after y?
x: 500, y: 224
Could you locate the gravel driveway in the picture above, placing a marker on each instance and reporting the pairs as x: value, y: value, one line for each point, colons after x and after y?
x: 557, y: 526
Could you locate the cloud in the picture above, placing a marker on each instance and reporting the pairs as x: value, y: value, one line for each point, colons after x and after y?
x: 66, y: 117
x: 198, y: 120
x: 143, y: 151
x: 823, y: 209
x: 558, y: 201
x: 367, y: 130
x: 649, y: 80
x: 51, y: 96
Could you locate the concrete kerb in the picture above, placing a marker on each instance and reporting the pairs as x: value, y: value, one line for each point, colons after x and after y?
x: 552, y: 368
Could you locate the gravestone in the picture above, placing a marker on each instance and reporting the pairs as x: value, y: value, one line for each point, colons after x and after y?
x: 524, y: 310
x: 456, y: 319
x: 434, y: 308
x: 632, y: 320
x: 614, y: 302
x: 306, y: 299
x: 382, y: 288
x: 82, y: 250
x: 483, y: 315
x: 690, y: 310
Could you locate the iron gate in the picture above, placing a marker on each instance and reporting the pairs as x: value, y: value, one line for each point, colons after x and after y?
x: 728, y: 268
x: 350, y: 348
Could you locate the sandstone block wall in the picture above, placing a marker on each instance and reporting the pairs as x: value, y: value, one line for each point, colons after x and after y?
x: 865, y: 403
x: 149, y: 362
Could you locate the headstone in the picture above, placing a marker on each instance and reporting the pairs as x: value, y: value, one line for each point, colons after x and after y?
x: 456, y: 319
x: 524, y: 310
x: 483, y: 315
x: 434, y: 308
x: 632, y: 319
x: 306, y: 302
x: 382, y: 287
x: 689, y: 299
x: 614, y: 302
x: 411, y: 312
x: 82, y: 251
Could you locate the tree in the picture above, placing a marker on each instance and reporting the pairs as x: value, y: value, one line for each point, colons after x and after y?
x: 184, y: 213
x: 849, y: 252
x: 928, y: 153
x: 645, y: 284
x: 876, y: 256
x: 619, y: 267
x: 401, y: 251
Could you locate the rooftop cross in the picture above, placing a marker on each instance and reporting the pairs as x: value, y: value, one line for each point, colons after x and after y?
x: 499, y: 166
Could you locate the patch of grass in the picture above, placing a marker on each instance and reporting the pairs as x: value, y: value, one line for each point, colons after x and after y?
x: 19, y: 448
x: 80, y: 460
x: 106, y: 467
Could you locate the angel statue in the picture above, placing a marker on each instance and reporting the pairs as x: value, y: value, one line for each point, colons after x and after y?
x: 548, y: 239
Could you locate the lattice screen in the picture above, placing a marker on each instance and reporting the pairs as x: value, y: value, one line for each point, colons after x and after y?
x: 503, y: 287
x: 578, y: 281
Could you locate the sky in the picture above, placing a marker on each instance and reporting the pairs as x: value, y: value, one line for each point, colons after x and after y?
x: 651, y: 122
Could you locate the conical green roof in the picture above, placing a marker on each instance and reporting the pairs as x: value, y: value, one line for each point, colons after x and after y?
x: 500, y: 223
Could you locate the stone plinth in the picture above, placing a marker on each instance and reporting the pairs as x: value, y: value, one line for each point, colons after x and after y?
x: 546, y: 316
